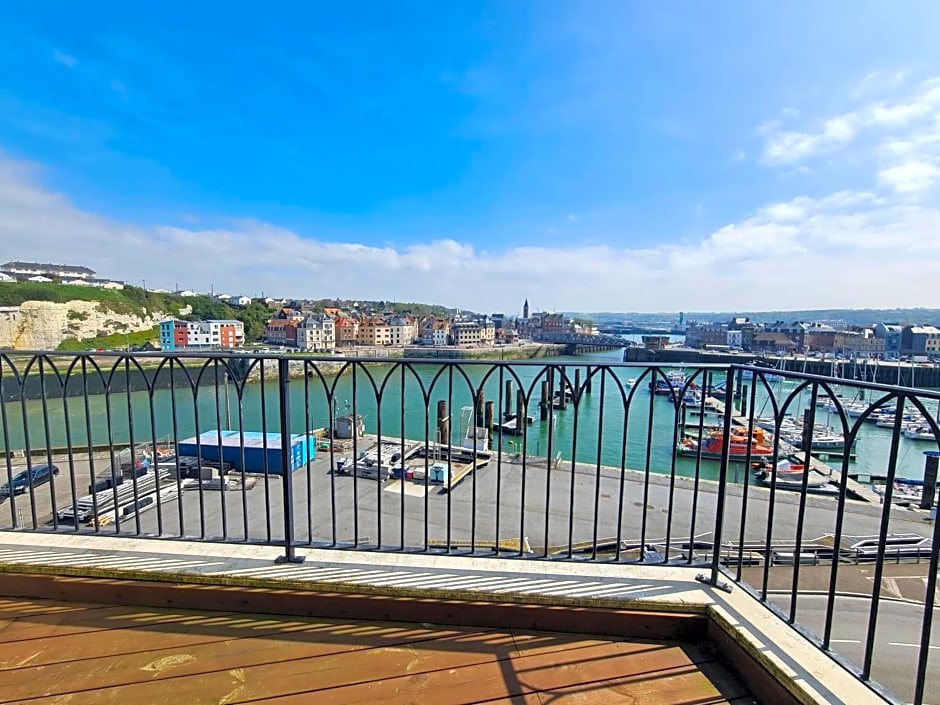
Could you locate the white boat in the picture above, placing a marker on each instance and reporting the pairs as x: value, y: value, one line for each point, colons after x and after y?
x: 791, y: 476
x: 631, y: 382
x: 920, y: 433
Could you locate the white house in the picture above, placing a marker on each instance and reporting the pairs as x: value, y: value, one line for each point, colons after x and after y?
x: 316, y: 332
x: 38, y: 278
x: 242, y: 301
x: 31, y: 269
x: 6, y: 278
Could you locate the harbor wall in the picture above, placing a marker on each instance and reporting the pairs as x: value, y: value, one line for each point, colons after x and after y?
x: 905, y: 374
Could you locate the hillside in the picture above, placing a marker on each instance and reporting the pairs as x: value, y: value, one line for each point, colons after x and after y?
x: 74, y: 317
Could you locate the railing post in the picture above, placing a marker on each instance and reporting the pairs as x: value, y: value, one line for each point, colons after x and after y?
x: 287, y: 466
x: 723, y: 478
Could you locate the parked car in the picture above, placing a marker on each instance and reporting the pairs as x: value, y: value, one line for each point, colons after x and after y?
x: 20, y: 483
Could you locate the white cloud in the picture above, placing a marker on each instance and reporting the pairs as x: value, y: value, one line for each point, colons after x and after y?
x: 804, y: 253
x: 910, y: 177
x: 64, y: 59
x: 783, y: 145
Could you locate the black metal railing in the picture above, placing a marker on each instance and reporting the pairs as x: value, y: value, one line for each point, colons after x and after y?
x: 777, y: 482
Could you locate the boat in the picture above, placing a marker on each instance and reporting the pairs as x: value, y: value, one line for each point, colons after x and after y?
x: 768, y: 377
x: 920, y: 433
x: 792, y: 475
x: 672, y: 384
x: 905, y: 491
x: 740, y: 447
x: 631, y: 382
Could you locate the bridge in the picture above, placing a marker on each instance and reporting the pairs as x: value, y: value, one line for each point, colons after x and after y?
x: 582, y: 340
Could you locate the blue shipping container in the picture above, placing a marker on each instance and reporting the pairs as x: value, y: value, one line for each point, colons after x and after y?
x: 261, y: 451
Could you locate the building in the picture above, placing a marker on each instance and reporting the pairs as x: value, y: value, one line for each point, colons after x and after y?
x: 655, y: 342
x: 6, y: 278
x: 891, y: 334
x: 466, y: 333
x: 316, y: 332
x: 53, y: 271
x: 435, y: 331
x: 281, y: 331
x: 400, y: 331
x: 243, y: 301
x: 858, y: 343
x: 95, y: 283
x: 176, y: 334
x: 39, y: 279
x: 920, y: 340
x: 346, y: 330
x: 554, y: 323
x: 374, y: 330
x: 773, y: 343
x: 699, y: 335
x: 735, y: 339
x: 821, y: 338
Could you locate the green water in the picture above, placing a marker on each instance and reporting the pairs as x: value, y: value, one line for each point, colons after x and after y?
x: 408, y: 404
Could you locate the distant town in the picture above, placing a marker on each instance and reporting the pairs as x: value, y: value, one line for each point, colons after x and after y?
x: 332, y: 325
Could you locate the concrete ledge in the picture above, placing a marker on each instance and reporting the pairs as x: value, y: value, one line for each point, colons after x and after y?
x: 656, y: 602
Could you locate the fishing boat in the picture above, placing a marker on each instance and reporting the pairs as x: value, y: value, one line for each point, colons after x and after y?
x: 740, y: 448
x: 671, y: 385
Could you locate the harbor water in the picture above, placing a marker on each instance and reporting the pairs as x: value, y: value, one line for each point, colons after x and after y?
x: 601, y: 432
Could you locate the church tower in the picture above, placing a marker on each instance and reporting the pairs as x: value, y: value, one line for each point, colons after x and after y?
x: 525, y: 309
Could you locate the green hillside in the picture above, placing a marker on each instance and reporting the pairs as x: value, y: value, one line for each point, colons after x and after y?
x: 135, y: 301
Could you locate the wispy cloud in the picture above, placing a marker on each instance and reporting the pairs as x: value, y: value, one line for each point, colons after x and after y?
x: 783, y: 145
x: 65, y: 59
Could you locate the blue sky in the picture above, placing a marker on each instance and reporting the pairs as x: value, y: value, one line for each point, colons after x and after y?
x: 590, y: 156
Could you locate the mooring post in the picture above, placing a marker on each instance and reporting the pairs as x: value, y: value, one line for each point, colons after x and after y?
x: 488, y: 421
x: 508, y: 398
x: 443, y: 422
x: 931, y: 463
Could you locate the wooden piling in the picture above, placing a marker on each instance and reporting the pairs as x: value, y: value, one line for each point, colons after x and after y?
x: 443, y: 422
x: 508, y: 398
x: 545, y: 402
x: 577, y: 384
x: 489, y: 408
x: 562, y: 388
x: 520, y: 410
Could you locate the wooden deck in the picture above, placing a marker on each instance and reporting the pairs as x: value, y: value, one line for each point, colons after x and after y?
x: 67, y: 652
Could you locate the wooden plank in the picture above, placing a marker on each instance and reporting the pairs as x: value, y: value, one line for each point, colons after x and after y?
x: 93, y: 620
x: 688, y: 626
x: 207, y: 660
x: 213, y: 676
x: 606, y: 673
x: 157, y: 635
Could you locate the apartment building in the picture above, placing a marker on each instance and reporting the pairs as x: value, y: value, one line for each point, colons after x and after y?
x: 176, y: 334
x: 317, y: 331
